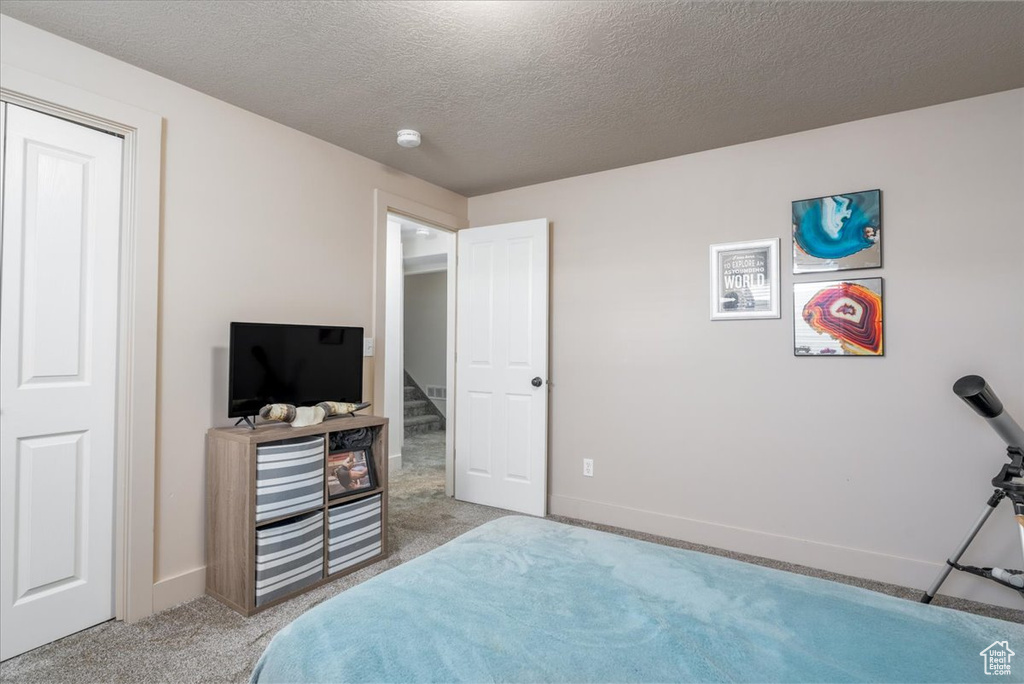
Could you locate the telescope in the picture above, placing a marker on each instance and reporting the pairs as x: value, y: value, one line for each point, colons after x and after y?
x: 977, y: 394
x: 980, y: 396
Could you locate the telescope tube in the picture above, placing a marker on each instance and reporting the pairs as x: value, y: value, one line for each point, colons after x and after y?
x: 979, y: 396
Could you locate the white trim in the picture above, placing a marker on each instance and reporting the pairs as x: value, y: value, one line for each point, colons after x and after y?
x: 393, y: 357
x: 450, y: 351
x: 385, y: 202
x: 179, y: 589
x: 137, y: 317
x: 881, y: 567
x: 394, y: 462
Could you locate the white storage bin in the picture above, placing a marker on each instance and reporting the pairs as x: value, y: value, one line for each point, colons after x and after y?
x: 289, y: 556
x: 289, y: 476
x: 355, y: 533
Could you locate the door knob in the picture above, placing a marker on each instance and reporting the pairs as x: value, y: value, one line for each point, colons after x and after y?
x: 537, y: 382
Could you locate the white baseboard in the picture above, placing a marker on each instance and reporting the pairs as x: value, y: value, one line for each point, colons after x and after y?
x: 172, y: 591
x: 907, y: 572
x: 394, y: 462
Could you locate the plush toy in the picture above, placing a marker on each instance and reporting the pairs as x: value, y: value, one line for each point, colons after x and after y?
x: 302, y: 416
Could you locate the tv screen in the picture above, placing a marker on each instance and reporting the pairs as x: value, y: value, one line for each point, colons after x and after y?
x: 293, y: 364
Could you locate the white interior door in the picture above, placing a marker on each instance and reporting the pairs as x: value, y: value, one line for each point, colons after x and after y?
x: 58, y: 345
x: 501, y: 398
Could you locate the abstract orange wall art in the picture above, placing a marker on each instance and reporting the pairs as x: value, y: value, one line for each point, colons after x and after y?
x: 841, y: 318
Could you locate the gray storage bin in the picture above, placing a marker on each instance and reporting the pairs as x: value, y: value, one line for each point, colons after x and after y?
x: 355, y: 533
x: 289, y: 476
x: 289, y: 556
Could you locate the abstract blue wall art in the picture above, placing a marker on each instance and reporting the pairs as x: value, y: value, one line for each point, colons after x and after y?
x: 838, y: 232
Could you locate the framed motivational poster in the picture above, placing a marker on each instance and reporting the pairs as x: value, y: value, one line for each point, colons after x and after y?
x: 745, y: 280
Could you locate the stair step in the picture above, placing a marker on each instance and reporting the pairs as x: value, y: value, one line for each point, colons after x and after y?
x: 422, y: 420
x: 417, y: 407
x: 412, y: 393
x: 417, y: 424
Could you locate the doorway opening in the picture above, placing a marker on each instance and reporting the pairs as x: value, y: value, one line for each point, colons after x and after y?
x: 420, y: 349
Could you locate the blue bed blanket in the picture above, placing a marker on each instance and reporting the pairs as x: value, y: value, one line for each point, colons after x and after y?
x: 528, y: 600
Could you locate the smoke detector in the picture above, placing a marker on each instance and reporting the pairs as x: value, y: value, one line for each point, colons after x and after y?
x: 408, y: 138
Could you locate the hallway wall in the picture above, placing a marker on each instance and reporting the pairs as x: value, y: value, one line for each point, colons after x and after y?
x: 426, y: 330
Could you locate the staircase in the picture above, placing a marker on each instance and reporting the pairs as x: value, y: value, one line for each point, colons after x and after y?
x: 421, y: 415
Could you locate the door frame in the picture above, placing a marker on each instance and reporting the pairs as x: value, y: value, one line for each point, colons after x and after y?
x: 385, y: 203
x: 136, y: 382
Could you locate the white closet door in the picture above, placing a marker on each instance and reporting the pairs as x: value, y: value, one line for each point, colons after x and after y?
x: 501, y: 394
x: 58, y: 353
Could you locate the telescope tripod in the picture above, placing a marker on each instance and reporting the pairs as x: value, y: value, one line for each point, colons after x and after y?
x: 1006, y: 488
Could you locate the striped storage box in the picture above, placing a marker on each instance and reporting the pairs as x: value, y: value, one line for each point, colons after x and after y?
x: 289, y: 556
x: 289, y: 476
x: 355, y: 533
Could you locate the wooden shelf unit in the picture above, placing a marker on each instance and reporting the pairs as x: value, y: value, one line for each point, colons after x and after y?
x: 231, y: 505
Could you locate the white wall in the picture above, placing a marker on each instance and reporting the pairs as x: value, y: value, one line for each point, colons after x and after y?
x: 426, y: 253
x: 436, y: 243
x: 260, y: 223
x: 715, y: 432
x: 426, y: 330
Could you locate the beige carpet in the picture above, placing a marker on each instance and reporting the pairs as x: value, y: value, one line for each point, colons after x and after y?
x: 202, y: 641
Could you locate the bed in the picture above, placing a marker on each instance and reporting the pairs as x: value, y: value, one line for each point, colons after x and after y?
x: 529, y: 600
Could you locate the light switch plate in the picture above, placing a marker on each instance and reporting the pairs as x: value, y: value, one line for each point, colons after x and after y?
x: 367, y: 346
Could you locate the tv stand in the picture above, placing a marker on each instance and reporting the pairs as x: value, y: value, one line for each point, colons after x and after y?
x: 245, y: 419
x: 245, y: 537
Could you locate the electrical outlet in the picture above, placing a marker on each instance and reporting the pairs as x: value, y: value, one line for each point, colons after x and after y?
x: 588, y: 467
x: 367, y: 346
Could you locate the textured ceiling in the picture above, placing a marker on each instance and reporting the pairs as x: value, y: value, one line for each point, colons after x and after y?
x: 513, y: 93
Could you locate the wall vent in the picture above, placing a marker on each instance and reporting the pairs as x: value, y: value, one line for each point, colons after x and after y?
x: 439, y: 392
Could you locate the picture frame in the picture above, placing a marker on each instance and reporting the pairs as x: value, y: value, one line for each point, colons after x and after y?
x: 745, y: 280
x: 350, y: 472
x: 837, y: 232
x: 839, y: 318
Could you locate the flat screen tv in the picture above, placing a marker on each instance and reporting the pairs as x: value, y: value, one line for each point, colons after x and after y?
x: 293, y: 364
